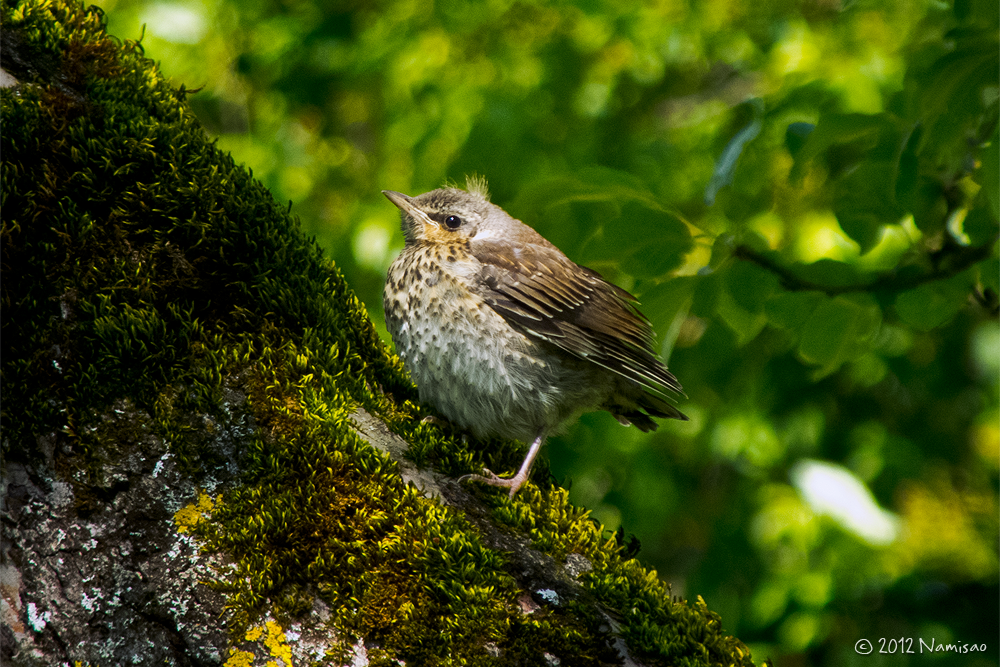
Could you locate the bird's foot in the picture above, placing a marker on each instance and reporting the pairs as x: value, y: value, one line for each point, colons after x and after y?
x: 491, y: 478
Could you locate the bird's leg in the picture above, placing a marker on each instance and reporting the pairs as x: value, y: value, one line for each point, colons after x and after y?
x: 515, y: 482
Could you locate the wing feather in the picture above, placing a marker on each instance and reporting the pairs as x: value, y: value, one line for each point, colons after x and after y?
x: 546, y: 295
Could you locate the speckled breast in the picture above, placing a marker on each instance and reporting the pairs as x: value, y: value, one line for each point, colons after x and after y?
x: 468, y: 362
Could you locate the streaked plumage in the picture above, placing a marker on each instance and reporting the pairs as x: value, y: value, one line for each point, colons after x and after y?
x: 505, y: 335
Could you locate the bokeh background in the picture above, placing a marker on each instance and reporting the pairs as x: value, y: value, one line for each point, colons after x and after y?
x: 803, y: 194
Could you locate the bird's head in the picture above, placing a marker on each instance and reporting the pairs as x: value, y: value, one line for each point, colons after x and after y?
x: 451, y: 216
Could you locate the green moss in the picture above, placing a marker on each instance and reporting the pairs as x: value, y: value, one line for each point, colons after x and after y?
x: 131, y: 243
x: 659, y: 627
x: 320, y: 508
x: 140, y: 263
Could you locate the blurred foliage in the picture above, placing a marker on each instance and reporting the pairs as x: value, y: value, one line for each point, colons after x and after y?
x: 804, y: 195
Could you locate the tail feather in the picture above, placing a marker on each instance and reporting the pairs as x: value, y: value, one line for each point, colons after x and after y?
x: 637, y: 407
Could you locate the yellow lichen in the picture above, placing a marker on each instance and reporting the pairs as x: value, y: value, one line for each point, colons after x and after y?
x: 278, y: 646
x: 274, y: 641
x: 239, y: 658
x: 188, y: 516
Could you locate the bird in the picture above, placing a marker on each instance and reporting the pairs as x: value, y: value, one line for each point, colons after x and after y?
x: 506, y: 336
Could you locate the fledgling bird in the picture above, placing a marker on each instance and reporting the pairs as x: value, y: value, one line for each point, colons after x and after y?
x: 505, y: 335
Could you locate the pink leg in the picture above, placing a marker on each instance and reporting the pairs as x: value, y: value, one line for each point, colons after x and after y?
x: 515, y: 482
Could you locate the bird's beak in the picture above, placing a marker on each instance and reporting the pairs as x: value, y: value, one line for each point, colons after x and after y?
x: 415, y: 221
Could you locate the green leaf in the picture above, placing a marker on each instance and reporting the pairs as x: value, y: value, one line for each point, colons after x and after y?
x: 868, y: 369
x: 861, y: 131
x: 839, y: 330
x: 989, y: 274
x: 908, y: 166
x: 989, y: 174
x: 866, y: 201
x: 864, y: 227
x: 662, y: 303
x: 928, y: 205
x: 751, y: 285
x: 740, y: 304
x: 932, y: 304
x: 951, y: 93
x: 606, y: 215
x: 791, y: 310
x: 565, y: 210
x: 722, y: 249
x: 744, y: 323
x: 706, y: 294
x: 980, y: 225
x: 796, y: 135
x: 653, y: 241
x: 894, y: 340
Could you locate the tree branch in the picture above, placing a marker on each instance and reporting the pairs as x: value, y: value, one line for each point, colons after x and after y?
x: 951, y: 260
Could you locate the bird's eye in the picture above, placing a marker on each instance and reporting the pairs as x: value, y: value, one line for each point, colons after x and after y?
x: 453, y: 222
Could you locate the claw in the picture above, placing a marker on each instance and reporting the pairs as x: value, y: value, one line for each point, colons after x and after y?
x: 491, y: 478
x: 518, y: 480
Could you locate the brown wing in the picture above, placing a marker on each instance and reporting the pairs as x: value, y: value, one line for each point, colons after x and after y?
x: 546, y: 295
